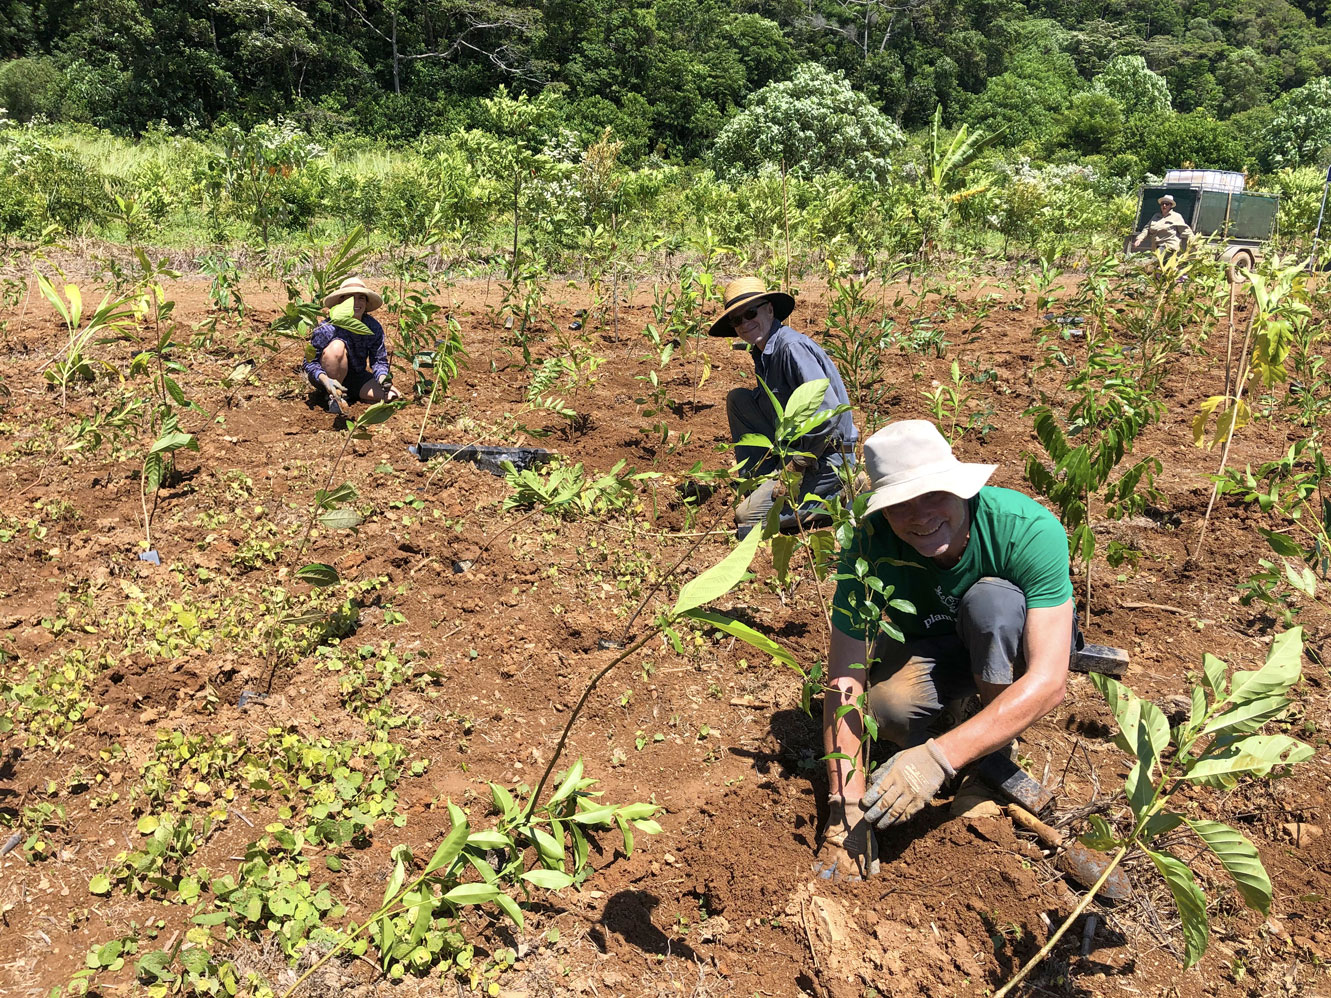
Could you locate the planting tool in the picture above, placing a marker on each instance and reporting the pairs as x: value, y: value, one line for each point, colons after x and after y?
x: 152, y: 557
x: 1081, y: 864
x: 999, y: 771
x: 483, y: 456
x: 1103, y: 659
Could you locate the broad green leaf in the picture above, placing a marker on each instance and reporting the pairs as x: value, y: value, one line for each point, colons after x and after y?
x: 174, y: 390
x: 1139, y: 788
x: 153, y: 470
x: 647, y: 826
x: 481, y: 866
x: 211, y: 918
x: 345, y: 518
x: 569, y: 785
x: 1213, y: 675
x: 595, y: 816
x: 100, y: 884
x: 1257, y: 754
x: 375, y: 414
x: 748, y: 635
x: 488, y: 838
x: 720, y: 578
x: 551, y: 851
x: 394, y: 882
x: 1301, y: 577
x: 754, y: 440
x: 1199, y: 706
x: 553, y: 879
x: 783, y: 546
x: 1247, y: 716
x: 1281, y: 544
x: 626, y: 829
x: 451, y: 847
x: 1283, y: 668
x: 50, y: 294
x: 510, y: 908
x: 343, y: 316
x: 634, y: 812
x: 472, y: 893
x: 1240, y: 860
x: 1189, y: 900
x: 318, y: 574
x: 173, y: 441
x: 1101, y: 837
x: 1160, y: 823
x: 503, y: 800
x: 805, y: 400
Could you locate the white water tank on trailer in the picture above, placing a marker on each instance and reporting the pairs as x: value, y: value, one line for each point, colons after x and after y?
x: 1225, y: 181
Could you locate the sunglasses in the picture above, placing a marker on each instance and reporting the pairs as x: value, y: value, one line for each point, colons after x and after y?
x: 748, y: 315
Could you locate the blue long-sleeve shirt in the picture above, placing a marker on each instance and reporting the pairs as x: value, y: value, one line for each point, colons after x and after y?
x: 362, y: 351
x: 789, y: 359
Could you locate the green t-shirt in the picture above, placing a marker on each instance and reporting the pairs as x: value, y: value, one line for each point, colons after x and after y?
x: 1012, y: 537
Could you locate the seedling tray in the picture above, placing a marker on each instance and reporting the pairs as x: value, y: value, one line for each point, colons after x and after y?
x: 484, y: 456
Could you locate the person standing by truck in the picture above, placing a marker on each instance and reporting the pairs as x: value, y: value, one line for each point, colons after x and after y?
x: 1166, y: 232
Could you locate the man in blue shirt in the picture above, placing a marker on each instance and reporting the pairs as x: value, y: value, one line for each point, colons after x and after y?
x: 348, y: 365
x: 783, y: 360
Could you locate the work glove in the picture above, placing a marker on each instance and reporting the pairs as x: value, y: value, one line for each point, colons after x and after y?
x: 850, y: 850
x: 901, y: 787
x: 333, y: 386
x: 391, y: 393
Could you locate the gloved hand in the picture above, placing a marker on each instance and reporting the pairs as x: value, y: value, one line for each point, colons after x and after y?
x: 905, y: 783
x: 333, y: 386
x: 391, y: 393
x: 850, y: 850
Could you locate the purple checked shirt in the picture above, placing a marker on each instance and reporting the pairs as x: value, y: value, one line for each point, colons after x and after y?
x: 362, y: 351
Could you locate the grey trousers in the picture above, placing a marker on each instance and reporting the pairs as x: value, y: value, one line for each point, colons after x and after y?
x: 911, y: 682
x: 745, y: 415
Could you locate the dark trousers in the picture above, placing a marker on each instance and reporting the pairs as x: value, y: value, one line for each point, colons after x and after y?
x: 911, y: 682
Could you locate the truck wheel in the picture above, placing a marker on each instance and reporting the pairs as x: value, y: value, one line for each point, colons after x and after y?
x: 1239, y: 262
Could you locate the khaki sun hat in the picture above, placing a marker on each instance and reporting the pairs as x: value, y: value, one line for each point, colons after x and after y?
x: 744, y: 292
x: 909, y: 458
x: 1166, y: 197
x: 354, y: 286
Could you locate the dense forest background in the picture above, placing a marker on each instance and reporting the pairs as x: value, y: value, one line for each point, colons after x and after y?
x: 666, y: 75
x: 846, y: 127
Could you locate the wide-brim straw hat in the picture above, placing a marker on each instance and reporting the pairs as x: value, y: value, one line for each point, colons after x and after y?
x: 1166, y: 197
x: 910, y: 457
x: 354, y: 286
x: 744, y: 292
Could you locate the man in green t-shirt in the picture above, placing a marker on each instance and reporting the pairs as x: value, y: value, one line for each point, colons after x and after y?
x: 975, y: 580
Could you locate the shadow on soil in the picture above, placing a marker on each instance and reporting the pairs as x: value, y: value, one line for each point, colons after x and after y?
x: 628, y: 915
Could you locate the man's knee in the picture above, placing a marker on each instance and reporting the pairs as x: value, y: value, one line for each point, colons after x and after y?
x: 903, y: 703
x: 991, y: 621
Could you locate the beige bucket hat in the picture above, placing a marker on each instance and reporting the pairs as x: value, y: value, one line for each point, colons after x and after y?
x: 354, y: 286
x: 745, y: 292
x: 910, y: 457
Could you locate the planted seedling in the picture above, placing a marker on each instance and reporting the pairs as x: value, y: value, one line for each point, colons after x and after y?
x: 1215, y: 747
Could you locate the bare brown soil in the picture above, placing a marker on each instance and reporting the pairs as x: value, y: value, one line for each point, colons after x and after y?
x: 720, y: 903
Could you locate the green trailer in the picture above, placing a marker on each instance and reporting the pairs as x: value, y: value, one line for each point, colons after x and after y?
x: 1215, y: 205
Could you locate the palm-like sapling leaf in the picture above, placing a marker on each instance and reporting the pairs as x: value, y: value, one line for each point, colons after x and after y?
x: 1190, y: 901
x: 720, y: 578
x: 1240, y: 860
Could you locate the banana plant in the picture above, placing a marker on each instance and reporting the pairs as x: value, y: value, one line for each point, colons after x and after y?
x: 110, y: 319
x: 1219, y: 744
